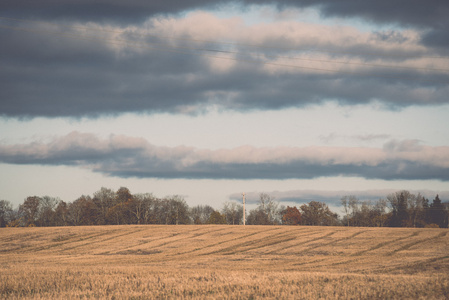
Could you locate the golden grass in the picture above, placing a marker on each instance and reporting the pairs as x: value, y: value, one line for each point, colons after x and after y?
x: 221, y: 262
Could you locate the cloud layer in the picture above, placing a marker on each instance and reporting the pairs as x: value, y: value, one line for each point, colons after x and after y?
x: 332, y: 197
x: 124, y: 156
x: 89, y: 59
x: 430, y: 17
x: 407, y: 12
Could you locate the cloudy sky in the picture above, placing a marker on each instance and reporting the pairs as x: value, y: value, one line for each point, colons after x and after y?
x: 304, y: 100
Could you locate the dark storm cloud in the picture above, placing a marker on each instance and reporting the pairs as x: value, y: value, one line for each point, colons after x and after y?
x: 431, y: 15
x: 125, y: 157
x: 426, y: 15
x: 408, y: 12
x: 51, y: 70
x: 99, y: 10
x: 58, y: 75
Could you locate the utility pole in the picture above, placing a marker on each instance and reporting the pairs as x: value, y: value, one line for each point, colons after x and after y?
x: 244, y: 214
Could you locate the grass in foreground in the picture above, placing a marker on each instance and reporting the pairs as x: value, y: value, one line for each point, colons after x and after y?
x: 144, y: 283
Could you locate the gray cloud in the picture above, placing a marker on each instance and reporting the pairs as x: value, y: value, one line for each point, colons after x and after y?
x: 408, y: 12
x: 125, y: 157
x: 46, y: 72
x: 47, y: 75
x: 100, y: 10
x: 430, y: 15
x: 332, y: 197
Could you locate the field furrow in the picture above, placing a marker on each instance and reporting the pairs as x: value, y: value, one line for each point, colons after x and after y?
x: 220, y: 261
x: 225, y: 239
x: 250, y: 240
x: 407, y: 246
x: 333, y: 242
x: 298, y: 248
x: 175, y: 241
x: 386, y: 244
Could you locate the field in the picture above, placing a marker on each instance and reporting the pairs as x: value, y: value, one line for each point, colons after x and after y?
x: 221, y: 261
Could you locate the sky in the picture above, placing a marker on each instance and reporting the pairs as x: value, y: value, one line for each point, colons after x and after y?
x: 303, y: 100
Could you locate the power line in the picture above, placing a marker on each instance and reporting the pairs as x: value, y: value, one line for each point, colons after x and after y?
x: 178, y: 48
x: 228, y: 43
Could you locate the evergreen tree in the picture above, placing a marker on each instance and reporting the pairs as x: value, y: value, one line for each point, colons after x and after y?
x: 398, y: 202
x: 437, y: 213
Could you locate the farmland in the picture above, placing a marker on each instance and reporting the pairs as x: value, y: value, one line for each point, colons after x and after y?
x: 222, y: 261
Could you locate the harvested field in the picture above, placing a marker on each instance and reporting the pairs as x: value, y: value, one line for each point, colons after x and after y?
x: 221, y: 261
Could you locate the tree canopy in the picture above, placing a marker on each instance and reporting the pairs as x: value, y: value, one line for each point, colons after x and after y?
x: 108, y: 207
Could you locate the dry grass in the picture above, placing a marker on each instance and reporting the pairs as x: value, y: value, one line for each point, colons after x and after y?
x: 219, y: 262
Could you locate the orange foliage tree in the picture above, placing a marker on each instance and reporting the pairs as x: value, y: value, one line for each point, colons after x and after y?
x: 291, y: 216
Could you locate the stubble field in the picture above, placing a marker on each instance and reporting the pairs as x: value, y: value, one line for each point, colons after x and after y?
x: 221, y: 261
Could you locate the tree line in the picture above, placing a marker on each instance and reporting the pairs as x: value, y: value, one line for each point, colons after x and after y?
x: 108, y: 207
x: 400, y: 209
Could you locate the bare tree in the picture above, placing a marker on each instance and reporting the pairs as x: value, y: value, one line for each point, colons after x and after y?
x: 6, y: 212
x: 47, y: 214
x: 200, y: 214
x: 364, y: 214
x: 178, y: 210
x: 62, y: 214
x: 150, y: 208
x: 354, y: 206
x: 348, y: 203
x: 258, y: 217
x: 233, y: 212
x: 269, y: 206
x: 29, y: 210
x: 104, y: 200
x: 139, y: 206
x: 380, y: 211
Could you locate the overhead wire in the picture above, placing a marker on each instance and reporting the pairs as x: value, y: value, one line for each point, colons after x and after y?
x: 170, y: 49
x: 85, y: 28
x: 177, y: 49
